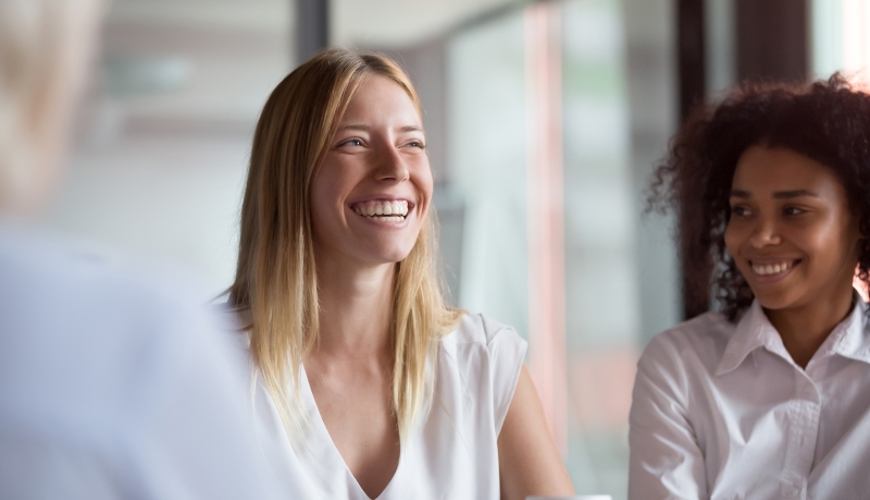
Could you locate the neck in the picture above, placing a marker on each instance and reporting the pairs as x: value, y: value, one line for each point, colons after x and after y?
x: 355, y: 309
x: 805, y: 328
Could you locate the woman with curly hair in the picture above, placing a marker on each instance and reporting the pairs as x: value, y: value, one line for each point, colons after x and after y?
x: 768, y: 397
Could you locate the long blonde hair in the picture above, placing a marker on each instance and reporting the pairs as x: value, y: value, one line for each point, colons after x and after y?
x: 276, y: 280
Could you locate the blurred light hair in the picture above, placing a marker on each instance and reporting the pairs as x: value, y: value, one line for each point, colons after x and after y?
x: 44, y: 50
x: 276, y: 279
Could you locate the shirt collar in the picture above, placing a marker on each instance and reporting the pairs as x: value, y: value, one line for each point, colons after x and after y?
x: 752, y: 331
x: 850, y: 338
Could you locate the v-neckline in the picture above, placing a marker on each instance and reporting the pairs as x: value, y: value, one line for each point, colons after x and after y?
x: 321, y: 426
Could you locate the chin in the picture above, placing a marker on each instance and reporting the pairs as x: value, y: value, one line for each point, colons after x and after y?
x: 777, y: 301
x: 391, y: 255
x: 398, y: 257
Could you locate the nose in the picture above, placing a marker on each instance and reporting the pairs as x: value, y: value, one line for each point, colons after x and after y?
x: 391, y: 167
x: 765, y: 233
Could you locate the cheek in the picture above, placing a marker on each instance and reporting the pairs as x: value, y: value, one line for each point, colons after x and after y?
x: 325, y: 202
x: 317, y: 201
x: 836, y: 240
x: 425, y: 186
x: 320, y: 223
x: 330, y: 187
x: 733, y: 239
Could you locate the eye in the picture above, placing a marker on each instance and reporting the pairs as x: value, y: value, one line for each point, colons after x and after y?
x: 416, y: 144
x: 740, y: 211
x: 351, y: 142
x: 793, y: 211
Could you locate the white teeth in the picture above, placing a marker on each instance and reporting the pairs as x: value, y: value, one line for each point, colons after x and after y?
x: 394, y: 211
x: 765, y: 270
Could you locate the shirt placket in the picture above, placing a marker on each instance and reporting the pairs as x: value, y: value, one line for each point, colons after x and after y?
x: 803, y: 430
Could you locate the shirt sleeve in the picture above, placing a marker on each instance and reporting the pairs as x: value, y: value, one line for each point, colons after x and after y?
x: 506, y: 350
x: 665, y: 459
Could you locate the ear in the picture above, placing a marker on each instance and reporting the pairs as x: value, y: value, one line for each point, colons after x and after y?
x: 862, y: 286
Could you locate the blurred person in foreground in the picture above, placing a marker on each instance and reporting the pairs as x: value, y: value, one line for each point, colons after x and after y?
x: 113, y: 384
x: 368, y: 384
x: 768, y: 397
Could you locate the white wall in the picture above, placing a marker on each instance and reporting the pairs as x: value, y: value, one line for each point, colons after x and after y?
x: 173, y: 200
x: 162, y: 144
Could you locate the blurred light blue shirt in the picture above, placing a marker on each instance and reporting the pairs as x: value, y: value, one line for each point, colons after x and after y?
x: 115, y: 383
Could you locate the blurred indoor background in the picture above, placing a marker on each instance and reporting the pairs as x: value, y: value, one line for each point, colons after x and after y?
x: 544, y: 122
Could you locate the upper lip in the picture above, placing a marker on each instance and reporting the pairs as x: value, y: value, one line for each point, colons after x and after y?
x: 771, y: 260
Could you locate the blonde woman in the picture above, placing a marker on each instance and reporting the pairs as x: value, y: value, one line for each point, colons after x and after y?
x: 368, y: 384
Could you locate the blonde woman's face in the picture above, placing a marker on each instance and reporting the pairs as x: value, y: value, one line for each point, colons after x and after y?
x: 371, y: 194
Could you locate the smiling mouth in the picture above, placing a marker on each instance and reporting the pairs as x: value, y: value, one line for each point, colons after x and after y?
x: 383, y: 210
x: 773, y: 268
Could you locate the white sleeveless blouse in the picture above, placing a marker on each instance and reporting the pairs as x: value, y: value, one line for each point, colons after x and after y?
x: 452, y: 453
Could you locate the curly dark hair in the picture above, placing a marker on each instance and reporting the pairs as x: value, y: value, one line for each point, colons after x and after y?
x: 828, y: 121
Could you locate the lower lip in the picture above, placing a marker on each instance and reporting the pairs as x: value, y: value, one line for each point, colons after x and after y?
x: 773, y: 278
x: 386, y: 224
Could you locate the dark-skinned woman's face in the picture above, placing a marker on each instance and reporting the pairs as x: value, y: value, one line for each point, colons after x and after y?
x: 791, y: 232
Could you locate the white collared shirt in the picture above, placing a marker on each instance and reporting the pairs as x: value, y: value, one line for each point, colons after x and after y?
x: 721, y: 411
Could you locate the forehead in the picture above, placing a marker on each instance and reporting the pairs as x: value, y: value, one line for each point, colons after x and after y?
x: 761, y: 169
x: 380, y: 99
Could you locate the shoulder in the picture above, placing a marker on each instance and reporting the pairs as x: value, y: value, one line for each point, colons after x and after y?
x: 677, y: 359
x: 81, y: 316
x: 479, y: 329
x: 123, y: 364
x: 479, y: 335
x: 704, y: 337
x: 39, y: 268
x: 483, y: 357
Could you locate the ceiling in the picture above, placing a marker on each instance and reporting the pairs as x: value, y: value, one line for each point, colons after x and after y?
x: 389, y: 23
x: 207, y: 66
x: 397, y: 23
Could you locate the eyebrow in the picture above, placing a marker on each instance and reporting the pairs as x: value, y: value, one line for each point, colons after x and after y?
x: 366, y: 128
x: 779, y: 195
x: 795, y: 194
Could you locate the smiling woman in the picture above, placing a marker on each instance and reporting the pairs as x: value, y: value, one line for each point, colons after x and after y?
x: 368, y: 385
x: 767, y: 398
x: 794, y: 239
x: 372, y: 191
